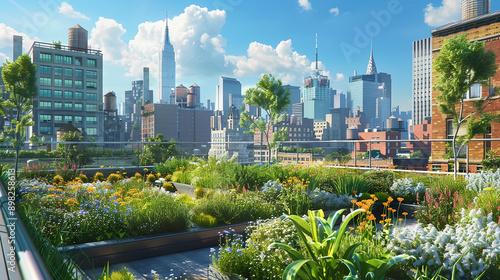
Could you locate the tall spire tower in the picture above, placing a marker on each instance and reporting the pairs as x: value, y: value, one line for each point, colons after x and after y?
x: 372, y: 68
x: 316, y: 51
x: 166, y: 73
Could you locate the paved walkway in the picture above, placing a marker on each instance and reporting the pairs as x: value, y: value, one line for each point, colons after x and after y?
x: 193, y: 265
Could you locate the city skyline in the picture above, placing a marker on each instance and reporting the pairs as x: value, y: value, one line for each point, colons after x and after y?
x: 236, y: 41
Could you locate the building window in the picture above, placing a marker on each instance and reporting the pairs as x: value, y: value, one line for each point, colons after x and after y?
x: 78, y: 73
x: 45, y: 118
x: 78, y: 107
x: 58, y: 71
x: 45, y: 104
x: 58, y: 82
x: 45, y: 70
x: 68, y: 60
x: 78, y: 84
x: 487, y: 144
x: 78, y: 61
x: 68, y: 106
x: 78, y: 95
x: 91, y: 131
x: 58, y: 105
x: 68, y: 72
x: 68, y: 119
x: 45, y: 93
x: 59, y: 58
x: 68, y: 94
x: 91, y: 96
x: 91, y: 120
x: 91, y: 74
x: 91, y: 108
x: 475, y: 91
x: 58, y: 94
x: 45, y: 57
x: 68, y: 83
x: 45, y: 130
x: 45, y: 82
x: 78, y: 119
x: 92, y: 85
x: 58, y: 119
x: 91, y: 62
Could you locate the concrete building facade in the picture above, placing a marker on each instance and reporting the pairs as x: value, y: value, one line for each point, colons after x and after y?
x: 422, y: 80
x: 69, y: 80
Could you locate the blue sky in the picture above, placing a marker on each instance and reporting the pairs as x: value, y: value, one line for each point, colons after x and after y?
x: 238, y: 38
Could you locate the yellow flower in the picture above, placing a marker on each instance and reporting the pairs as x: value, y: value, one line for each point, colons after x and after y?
x: 489, y: 188
x: 52, y: 189
x: 102, y: 166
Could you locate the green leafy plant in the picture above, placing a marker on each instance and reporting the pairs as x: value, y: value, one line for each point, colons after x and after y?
x: 373, y: 269
x: 351, y: 185
x: 322, y: 244
x: 98, y: 176
x: 204, y: 220
x: 113, y: 178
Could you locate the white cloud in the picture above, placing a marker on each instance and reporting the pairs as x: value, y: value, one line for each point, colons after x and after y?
x: 305, y: 4
x: 335, y: 11
x: 449, y: 11
x: 3, y: 58
x: 106, y: 36
x: 195, y: 35
x: 67, y: 10
x: 340, y: 77
x: 6, y: 33
x: 282, y: 61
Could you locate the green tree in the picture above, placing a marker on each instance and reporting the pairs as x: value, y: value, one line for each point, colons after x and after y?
x: 462, y: 64
x: 158, y: 153
x: 20, y: 82
x: 76, y: 155
x: 273, y: 98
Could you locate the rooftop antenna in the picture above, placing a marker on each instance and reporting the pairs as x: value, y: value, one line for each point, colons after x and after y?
x: 316, y: 51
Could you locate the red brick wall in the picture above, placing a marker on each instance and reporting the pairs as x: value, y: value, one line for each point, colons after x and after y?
x: 476, y: 148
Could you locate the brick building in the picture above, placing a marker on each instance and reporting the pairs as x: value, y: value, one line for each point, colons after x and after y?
x: 485, y: 28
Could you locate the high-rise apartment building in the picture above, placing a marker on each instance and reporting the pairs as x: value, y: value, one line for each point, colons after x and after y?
x: 226, y: 86
x: 166, y: 73
x: 316, y: 95
x: 294, y: 97
x: 372, y: 93
x: 69, y: 80
x: 422, y: 80
x: 474, y: 8
x: 17, y: 49
x: 139, y: 95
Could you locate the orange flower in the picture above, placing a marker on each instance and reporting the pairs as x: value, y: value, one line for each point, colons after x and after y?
x: 385, y: 204
x: 351, y: 228
x: 400, y: 199
x: 383, y: 215
x: 393, y: 210
x: 390, y: 199
x: 372, y: 196
x: 354, y: 192
x: 405, y: 213
x: 400, y: 219
x: 353, y: 201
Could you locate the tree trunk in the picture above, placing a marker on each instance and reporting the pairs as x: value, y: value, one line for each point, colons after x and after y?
x: 455, y: 160
x: 269, y: 155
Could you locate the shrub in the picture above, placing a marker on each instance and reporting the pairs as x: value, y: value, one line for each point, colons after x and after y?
x: 83, y: 178
x: 231, y: 208
x: 406, y: 189
x: 380, y: 181
x: 168, y: 177
x: 173, y: 164
x: 199, y: 192
x: 151, y: 178
x: 489, y: 202
x: 479, y: 181
x: 137, y: 176
x: 113, y: 178
x: 169, y: 187
x: 58, y: 180
x: 350, y: 185
x: 181, y: 177
x: 328, y: 201
x: 439, y: 207
x: 99, y: 176
x: 185, y: 199
x: 204, y: 220
x: 294, y: 202
x: 381, y: 196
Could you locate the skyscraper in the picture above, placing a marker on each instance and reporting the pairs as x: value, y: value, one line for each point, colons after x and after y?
x: 166, y: 73
x: 317, y: 93
x: 474, y: 8
x: 69, y: 79
x: 17, y: 49
x: 226, y: 86
x: 372, y: 93
x: 422, y: 80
